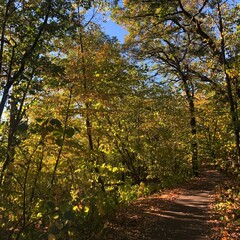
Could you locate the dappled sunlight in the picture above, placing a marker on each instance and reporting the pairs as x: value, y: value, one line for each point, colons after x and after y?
x: 117, y: 137
x: 182, y: 217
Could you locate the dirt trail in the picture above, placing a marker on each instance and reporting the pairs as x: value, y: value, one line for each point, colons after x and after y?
x: 179, y: 214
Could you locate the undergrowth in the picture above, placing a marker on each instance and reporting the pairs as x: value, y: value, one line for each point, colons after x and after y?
x: 227, y: 210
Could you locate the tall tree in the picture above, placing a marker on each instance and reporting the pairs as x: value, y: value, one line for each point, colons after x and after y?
x: 210, y: 24
x: 27, y: 31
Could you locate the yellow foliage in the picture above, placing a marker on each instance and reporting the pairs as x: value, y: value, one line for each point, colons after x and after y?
x: 232, y: 72
x: 51, y: 236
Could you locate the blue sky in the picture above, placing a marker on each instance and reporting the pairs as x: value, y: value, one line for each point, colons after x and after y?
x: 114, y: 30
x: 109, y: 27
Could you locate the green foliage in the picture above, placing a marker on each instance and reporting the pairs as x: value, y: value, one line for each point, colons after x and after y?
x: 91, y: 144
x: 87, y: 129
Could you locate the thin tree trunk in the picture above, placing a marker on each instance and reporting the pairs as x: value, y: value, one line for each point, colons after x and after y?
x: 16, y: 115
x: 88, y: 121
x: 221, y: 54
x: 233, y: 107
x: 193, y: 126
x: 3, y: 33
x: 26, y: 56
x: 63, y: 136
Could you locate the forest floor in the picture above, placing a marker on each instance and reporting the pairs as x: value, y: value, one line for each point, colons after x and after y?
x: 182, y: 213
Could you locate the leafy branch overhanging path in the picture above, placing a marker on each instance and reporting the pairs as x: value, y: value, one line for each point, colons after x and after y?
x: 181, y: 213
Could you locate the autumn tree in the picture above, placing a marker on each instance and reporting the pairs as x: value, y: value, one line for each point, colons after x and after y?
x: 27, y: 31
x: 208, y: 28
x: 64, y: 149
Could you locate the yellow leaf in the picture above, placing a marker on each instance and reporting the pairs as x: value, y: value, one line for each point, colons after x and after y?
x: 86, y: 209
x: 75, y: 208
x: 51, y: 236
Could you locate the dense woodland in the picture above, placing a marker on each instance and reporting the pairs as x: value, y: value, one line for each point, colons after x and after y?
x: 88, y: 124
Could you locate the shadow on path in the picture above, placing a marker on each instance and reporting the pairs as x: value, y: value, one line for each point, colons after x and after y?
x: 184, y: 218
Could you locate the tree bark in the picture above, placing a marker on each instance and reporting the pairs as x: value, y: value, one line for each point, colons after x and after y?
x: 220, y: 53
x: 88, y: 121
x: 193, y: 126
x: 12, y: 79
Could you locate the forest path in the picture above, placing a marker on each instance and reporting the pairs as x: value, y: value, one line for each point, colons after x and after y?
x: 177, y: 214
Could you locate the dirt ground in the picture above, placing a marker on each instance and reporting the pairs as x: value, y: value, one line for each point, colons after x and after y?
x: 177, y: 214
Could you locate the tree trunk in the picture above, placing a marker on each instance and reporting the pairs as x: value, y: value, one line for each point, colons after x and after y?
x: 88, y: 121
x: 221, y: 54
x: 193, y: 126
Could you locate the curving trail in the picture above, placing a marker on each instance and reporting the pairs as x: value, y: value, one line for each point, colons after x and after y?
x: 178, y: 214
